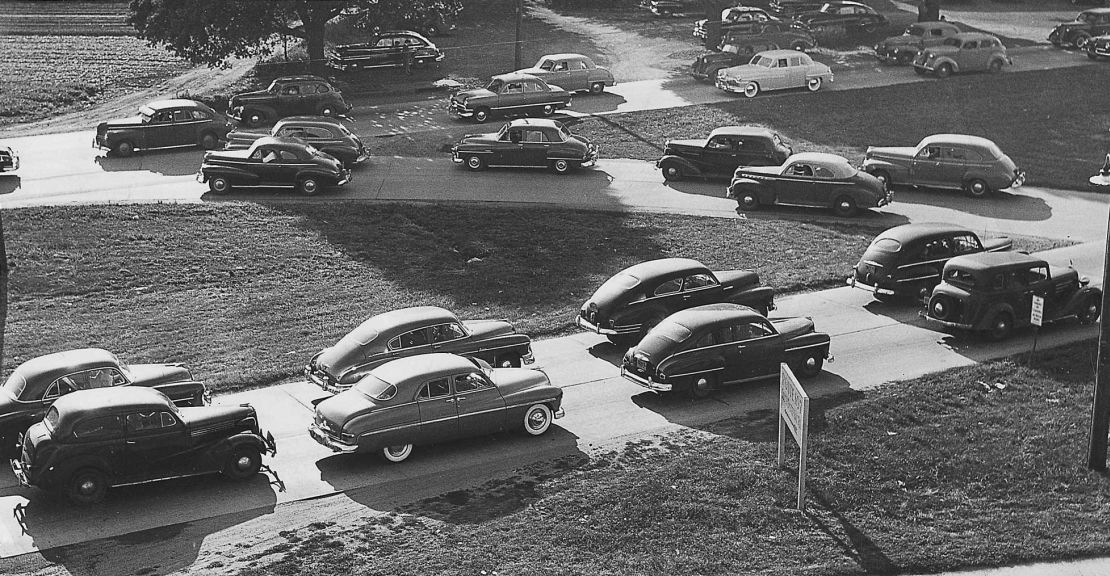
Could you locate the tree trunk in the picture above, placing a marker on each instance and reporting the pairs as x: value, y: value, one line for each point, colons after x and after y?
x: 314, y: 42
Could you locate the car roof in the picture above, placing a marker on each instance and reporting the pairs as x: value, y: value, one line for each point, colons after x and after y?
x: 301, y: 78
x: 741, y: 131
x: 119, y: 398
x: 422, y: 367
x: 405, y: 319
x: 563, y: 56
x: 974, y: 36
x: 1096, y: 11
x: 962, y: 139
x: 175, y: 103
x: 513, y: 77
x: 781, y: 53
x: 817, y: 158
x: 279, y: 142
x: 909, y: 232
x: 309, y: 120
x: 712, y: 315
x: 654, y: 268
x: 539, y: 122
x: 52, y: 366
x: 988, y: 260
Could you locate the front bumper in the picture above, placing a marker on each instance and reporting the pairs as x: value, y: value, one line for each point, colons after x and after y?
x: 591, y: 157
x: 324, y: 383
x: 20, y: 473
x: 887, y: 198
x: 733, y: 86
x: 646, y: 382
x: 329, y: 442
x: 946, y: 323
x: 457, y: 109
x: 590, y: 326
x: 1019, y: 179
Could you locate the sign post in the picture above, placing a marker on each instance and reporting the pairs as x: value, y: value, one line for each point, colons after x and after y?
x: 1036, y: 317
x: 793, y: 414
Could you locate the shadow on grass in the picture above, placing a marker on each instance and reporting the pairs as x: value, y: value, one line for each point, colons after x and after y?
x: 859, y: 546
x: 168, y: 163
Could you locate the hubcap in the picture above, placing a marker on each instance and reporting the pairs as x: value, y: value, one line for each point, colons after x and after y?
x: 537, y: 419
x: 845, y: 206
x: 938, y: 309
x: 561, y: 165
x: 473, y: 162
x: 310, y: 186
x: 88, y: 487
x: 672, y: 171
x: 219, y: 185
x: 396, y: 451
x: 327, y: 111
x: 243, y: 463
x: 702, y: 384
x: 811, y: 362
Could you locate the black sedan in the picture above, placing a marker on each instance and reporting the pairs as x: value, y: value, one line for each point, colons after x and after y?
x: 809, y: 179
x: 163, y: 124
x: 273, y: 162
x: 726, y: 149
x: 411, y: 331
x: 907, y: 260
x: 629, y: 304
x: 528, y: 142
x: 325, y: 134
x: 699, y: 349
x: 851, y: 16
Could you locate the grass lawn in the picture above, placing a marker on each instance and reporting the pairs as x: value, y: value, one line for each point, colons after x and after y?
x: 979, y: 466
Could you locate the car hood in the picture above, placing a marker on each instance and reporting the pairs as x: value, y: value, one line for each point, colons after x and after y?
x: 155, y: 374
x: 475, y: 93
x: 488, y: 328
x: 903, y: 40
x: 240, y: 154
x: 793, y: 327
x: 942, y: 50
x: 745, y: 71
x: 532, y: 71
x: 511, y: 380
x: 489, y: 138
x: 124, y: 122
x: 245, y: 136
x: 774, y: 170
x: 695, y: 145
x: 250, y: 97
x: 891, y: 152
x: 344, y: 406
x: 1071, y: 26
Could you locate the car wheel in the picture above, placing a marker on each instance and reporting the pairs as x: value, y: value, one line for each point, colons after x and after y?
x: 244, y: 462
x: 308, y: 186
x: 87, y: 486
x: 810, y: 365
x: 942, y: 307
x: 814, y: 84
x: 748, y: 201
x: 1000, y: 327
x: 209, y: 141
x: 597, y: 88
x: 995, y: 66
x: 481, y: 115
x: 944, y: 70
x: 701, y: 386
x: 751, y: 90
x: 432, y: 30
x: 884, y: 177
x: 219, y: 185
x: 254, y: 118
x: 672, y: 171
x: 1092, y: 309
x: 919, y: 71
x: 977, y: 188
x: 475, y: 163
x: 398, y: 453
x: 844, y: 206
x: 508, y: 361
x: 548, y: 110
x: 1081, y: 40
x: 561, y: 166
x: 537, y: 419
x: 124, y: 148
x: 904, y: 58
x: 870, y: 27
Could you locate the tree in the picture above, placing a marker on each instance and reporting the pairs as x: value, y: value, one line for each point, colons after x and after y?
x: 210, y: 31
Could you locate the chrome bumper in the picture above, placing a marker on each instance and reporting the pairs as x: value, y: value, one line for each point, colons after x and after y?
x: 587, y: 325
x: 945, y: 323
x: 20, y: 473
x: 646, y: 382
x: 856, y: 284
x: 313, y: 378
x: 334, y: 445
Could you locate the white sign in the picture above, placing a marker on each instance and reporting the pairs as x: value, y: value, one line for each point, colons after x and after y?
x: 794, y: 414
x: 1036, y: 315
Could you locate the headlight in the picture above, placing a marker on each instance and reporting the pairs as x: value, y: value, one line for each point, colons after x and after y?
x: 930, y: 56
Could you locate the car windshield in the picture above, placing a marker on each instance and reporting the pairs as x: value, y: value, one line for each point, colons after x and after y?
x: 494, y: 86
x: 1086, y: 17
x: 563, y: 132
x: 51, y: 419
x: 376, y: 388
x: 763, y: 61
x: 15, y: 385
x: 888, y: 245
x: 274, y: 87
x: 915, y: 31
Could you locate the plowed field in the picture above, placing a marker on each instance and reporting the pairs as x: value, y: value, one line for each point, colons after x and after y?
x: 68, y: 18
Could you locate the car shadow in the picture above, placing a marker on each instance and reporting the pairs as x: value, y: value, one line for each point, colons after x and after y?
x: 1003, y: 205
x: 50, y: 520
x: 9, y: 183
x: 608, y: 352
x: 168, y: 162
x: 591, y: 104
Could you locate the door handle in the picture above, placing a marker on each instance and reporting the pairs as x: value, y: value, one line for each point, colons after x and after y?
x: 449, y: 400
x: 460, y: 397
x: 129, y: 442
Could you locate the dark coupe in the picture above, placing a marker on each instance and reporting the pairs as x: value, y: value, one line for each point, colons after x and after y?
x: 699, y: 349
x: 411, y: 331
x: 907, y: 260
x: 95, y: 439
x: 325, y: 134
x: 630, y: 303
x: 726, y: 149
x: 288, y: 96
x: 163, y: 124
x: 35, y: 384
x: 530, y: 143
x: 387, y: 49
x: 434, y: 398
x: 273, y: 162
x: 809, y: 179
x: 512, y: 94
x: 851, y: 16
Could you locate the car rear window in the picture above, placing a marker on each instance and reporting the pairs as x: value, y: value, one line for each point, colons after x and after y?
x: 376, y: 388
x: 15, y: 385
x: 676, y: 333
x: 888, y: 245
x: 51, y: 419
x: 959, y: 277
x: 623, y: 281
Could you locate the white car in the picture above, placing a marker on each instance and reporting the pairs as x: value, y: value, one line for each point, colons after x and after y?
x: 774, y: 70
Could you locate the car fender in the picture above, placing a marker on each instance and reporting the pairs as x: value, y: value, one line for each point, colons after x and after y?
x: 758, y: 297
x: 318, y: 173
x: 268, y: 110
x: 236, y: 175
x: 683, y: 365
x: 895, y: 170
x: 687, y: 166
x: 797, y: 348
x: 946, y: 60
x: 137, y: 137
x: 638, y: 316
x: 16, y: 423
x: 1077, y: 299
x: 765, y: 193
x: 984, y: 318
x: 58, y: 474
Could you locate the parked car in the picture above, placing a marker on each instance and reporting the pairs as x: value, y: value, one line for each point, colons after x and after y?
x: 288, y: 96
x: 954, y: 161
x: 509, y: 94
x: 435, y: 22
x: 571, y: 72
x: 385, y: 50
x: 34, y: 385
x: 412, y: 331
x: 992, y: 294
x: 1099, y: 47
x: 964, y: 52
x: 907, y: 260
x: 774, y: 70
x: 528, y: 143
x: 325, y: 134
x: 1087, y: 25
x: 809, y: 179
x: 702, y: 348
x: 917, y: 37
x: 736, y: 18
x: 272, y: 162
x: 163, y: 124
x: 92, y: 440
x: 9, y: 159
x: 775, y: 34
x: 726, y: 149
x: 434, y: 398
x: 637, y: 298
x: 791, y: 8
x: 667, y: 7
x: 851, y: 16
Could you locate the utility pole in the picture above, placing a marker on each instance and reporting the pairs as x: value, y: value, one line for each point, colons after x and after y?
x: 519, y: 24
x: 1100, y: 411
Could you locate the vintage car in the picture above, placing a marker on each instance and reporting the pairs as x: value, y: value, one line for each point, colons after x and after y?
x: 412, y: 331
x: 791, y: 8
x: 508, y: 95
x: 288, y: 96
x: 849, y: 16
x: 571, y: 72
x: 1087, y: 25
x: 325, y: 134
x: 726, y: 149
x: 163, y: 124
x: 35, y: 384
x: 1099, y: 47
x: 907, y: 260
x: 526, y: 143
x: 812, y: 179
x: 956, y: 161
x: 434, y: 398
x: 91, y: 440
x: 736, y: 18
x: 774, y: 70
x: 9, y: 159
x: 429, y: 20
x: 637, y: 298
x: 385, y: 50
x: 917, y: 37
x: 992, y: 294
x: 699, y: 349
x: 737, y: 48
x: 668, y: 7
x: 964, y: 52
x: 272, y: 162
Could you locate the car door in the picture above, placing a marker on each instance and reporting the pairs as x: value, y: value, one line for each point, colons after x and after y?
x: 927, y: 168
x: 479, y: 404
x: 288, y: 166
x: 795, y: 72
x: 560, y: 74
x: 156, y: 444
x: 450, y: 337
x: 1022, y: 284
x: 184, y: 130
x: 759, y: 349
x: 720, y: 155
x: 160, y: 130
x: 289, y: 100
x: 795, y: 184
x: 973, y: 56
x: 534, y: 148
x: 511, y: 99
x: 101, y: 436
x: 700, y: 288
x: 751, y: 151
x: 439, y: 417
x: 510, y: 148
x: 667, y: 294
x: 578, y: 76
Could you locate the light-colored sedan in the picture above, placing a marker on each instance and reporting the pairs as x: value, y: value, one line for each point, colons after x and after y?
x: 774, y: 70
x: 572, y: 72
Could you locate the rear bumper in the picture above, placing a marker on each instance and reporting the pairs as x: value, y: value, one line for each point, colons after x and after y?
x: 312, y: 377
x: 874, y: 289
x: 946, y: 323
x: 590, y: 326
x: 645, y: 382
x: 329, y: 442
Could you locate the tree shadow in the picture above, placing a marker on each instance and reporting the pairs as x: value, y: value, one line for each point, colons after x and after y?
x: 168, y: 163
x: 9, y: 183
x: 1003, y: 205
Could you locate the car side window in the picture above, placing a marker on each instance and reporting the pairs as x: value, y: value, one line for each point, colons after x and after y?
x: 98, y: 428
x: 936, y: 32
x: 580, y: 65
x: 1036, y: 274
x: 384, y: 43
x: 414, y: 338
x: 163, y: 117
x: 727, y: 335
x: 719, y: 143
x: 796, y: 61
x: 59, y: 387
x: 287, y: 156
x: 292, y: 131
x: 929, y: 153
x: 671, y: 286
x: 438, y: 388
x: 970, y: 45
x: 323, y: 88
x: 144, y: 422
x: 956, y: 154
x: 533, y: 136
x: 800, y: 169
x: 561, y: 67
x: 513, y: 88
x: 822, y: 172
x: 760, y: 329
x: 515, y: 135
x: 293, y: 90
x: 966, y: 244
x: 938, y: 248
x: 707, y: 340
x: 447, y: 332
x: 471, y: 382
x: 201, y: 115
x: 547, y: 65
x: 269, y: 156
x: 784, y: 63
x: 696, y: 281
x: 319, y: 133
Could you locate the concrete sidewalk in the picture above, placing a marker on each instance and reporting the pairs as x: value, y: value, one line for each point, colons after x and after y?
x: 1090, y: 567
